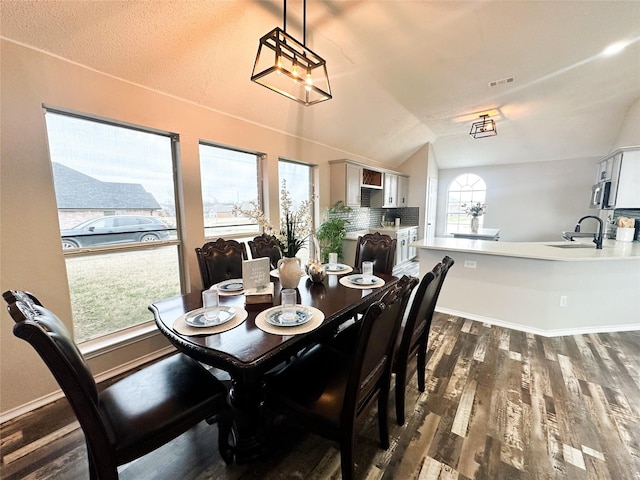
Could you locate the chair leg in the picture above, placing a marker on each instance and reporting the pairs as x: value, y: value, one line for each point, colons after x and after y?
x: 422, y: 365
x: 383, y: 425
x: 401, y: 385
x: 347, y: 464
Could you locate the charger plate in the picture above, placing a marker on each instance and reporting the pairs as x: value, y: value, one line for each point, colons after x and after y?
x: 181, y: 327
x: 357, y: 281
x: 314, y: 322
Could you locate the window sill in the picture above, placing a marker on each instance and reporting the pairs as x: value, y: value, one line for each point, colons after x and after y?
x: 113, y: 341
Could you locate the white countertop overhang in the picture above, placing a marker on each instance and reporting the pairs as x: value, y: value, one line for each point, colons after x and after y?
x: 611, y: 249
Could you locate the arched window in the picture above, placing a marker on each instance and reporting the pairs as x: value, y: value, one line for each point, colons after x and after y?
x: 464, y: 190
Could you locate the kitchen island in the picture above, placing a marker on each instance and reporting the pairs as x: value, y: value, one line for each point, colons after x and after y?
x: 547, y: 288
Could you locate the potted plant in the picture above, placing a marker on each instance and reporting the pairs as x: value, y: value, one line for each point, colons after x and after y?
x: 332, y: 231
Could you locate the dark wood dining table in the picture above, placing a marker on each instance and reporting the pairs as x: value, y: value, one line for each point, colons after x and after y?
x: 247, y: 353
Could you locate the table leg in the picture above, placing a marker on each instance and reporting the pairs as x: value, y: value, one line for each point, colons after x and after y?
x: 248, y: 422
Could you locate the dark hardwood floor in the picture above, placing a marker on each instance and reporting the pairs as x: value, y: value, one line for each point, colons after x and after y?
x: 500, y: 404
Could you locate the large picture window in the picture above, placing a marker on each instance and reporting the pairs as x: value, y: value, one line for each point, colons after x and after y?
x: 464, y: 190
x: 115, y: 193
x: 229, y: 178
x: 299, y: 181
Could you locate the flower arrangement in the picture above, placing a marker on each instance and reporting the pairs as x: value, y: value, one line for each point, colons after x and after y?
x: 475, y: 209
x: 295, y: 226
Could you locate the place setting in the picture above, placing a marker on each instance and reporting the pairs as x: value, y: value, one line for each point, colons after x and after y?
x: 333, y: 267
x: 364, y: 280
x: 212, y: 318
x: 289, y: 318
x: 230, y: 287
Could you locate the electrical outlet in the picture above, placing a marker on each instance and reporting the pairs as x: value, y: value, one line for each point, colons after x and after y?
x: 563, y: 300
x: 470, y: 264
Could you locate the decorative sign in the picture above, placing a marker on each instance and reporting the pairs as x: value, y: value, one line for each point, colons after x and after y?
x: 255, y: 274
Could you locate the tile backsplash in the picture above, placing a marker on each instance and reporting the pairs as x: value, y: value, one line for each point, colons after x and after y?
x: 362, y: 218
x: 625, y: 212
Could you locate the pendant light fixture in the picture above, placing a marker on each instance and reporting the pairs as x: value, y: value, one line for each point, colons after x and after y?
x: 483, y: 128
x: 288, y: 67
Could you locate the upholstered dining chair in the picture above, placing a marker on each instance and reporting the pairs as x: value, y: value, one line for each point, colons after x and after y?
x: 377, y: 248
x: 264, y: 246
x: 220, y: 260
x: 133, y: 416
x: 414, y: 335
x: 330, y: 387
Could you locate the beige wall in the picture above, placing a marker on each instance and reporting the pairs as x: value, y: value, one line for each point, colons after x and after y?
x: 31, y: 256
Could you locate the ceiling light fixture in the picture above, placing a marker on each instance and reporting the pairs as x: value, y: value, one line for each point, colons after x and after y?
x: 484, y: 128
x: 288, y: 67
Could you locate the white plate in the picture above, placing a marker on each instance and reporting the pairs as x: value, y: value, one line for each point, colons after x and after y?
x: 196, y: 318
x: 339, y: 267
x: 274, y: 317
x: 360, y: 280
x: 230, y: 285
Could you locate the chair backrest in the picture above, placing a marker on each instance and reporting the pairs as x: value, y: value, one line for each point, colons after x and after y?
x: 420, y: 314
x: 50, y: 338
x: 377, y: 248
x: 373, y: 357
x: 264, y: 246
x: 220, y: 260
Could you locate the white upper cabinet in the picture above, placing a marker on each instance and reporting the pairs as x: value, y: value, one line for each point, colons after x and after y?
x: 403, y: 191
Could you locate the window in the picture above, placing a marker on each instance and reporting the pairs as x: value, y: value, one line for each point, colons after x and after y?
x: 229, y: 177
x: 115, y: 193
x: 299, y: 181
x: 464, y: 189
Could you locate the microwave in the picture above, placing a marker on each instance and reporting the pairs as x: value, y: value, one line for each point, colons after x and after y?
x: 601, y: 196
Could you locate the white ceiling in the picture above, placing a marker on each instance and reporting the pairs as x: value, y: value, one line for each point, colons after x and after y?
x: 403, y: 73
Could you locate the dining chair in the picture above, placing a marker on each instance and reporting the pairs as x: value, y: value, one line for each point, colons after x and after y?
x: 133, y: 416
x: 264, y: 246
x: 220, y: 260
x: 414, y: 333
x: 377, y: 248
x: 329, y: 387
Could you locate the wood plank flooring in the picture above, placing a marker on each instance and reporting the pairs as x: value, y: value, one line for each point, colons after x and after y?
x: 499, y: 404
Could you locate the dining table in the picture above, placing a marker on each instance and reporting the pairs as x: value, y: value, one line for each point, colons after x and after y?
x: 249, y: 351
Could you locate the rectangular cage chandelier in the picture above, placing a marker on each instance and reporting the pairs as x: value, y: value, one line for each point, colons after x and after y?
x: 483, y: 128
x: 289, y: 68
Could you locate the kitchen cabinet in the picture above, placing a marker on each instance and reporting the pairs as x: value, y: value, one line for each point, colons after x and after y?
x: 413, y: 237
x: 619, y: 173
x: 402, y: 246
x: 395, y: 193
x: 628, y: 191
x: 348, y: 179
x: 403, y: 191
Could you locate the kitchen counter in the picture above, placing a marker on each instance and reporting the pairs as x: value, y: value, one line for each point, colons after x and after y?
x: 537, y: 287
x: 611, y: 249
x: 387, y: 230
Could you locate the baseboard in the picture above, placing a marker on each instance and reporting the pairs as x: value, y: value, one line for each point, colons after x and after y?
x: 101, y: 377
x: 561, y: 332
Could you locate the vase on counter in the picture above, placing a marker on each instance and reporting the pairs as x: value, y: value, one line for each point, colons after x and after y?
x: 475, y: 221
x: 289, y: 271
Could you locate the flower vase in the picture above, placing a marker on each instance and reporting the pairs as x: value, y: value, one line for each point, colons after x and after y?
x: 475, y: 221
x: 289, y: 271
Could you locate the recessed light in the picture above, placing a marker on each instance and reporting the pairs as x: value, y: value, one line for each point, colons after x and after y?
x: 614, y: 48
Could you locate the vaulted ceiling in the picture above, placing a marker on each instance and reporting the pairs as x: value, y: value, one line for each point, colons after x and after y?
x: 403, y: 73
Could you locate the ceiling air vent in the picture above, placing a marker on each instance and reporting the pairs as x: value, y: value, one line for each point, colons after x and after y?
x: 502, y: 81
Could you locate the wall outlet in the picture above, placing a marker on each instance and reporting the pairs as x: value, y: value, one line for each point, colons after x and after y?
x: 563, y: 300
x: 470, y: 264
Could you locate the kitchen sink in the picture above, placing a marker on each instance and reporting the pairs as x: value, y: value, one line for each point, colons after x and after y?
x: 573, y: 245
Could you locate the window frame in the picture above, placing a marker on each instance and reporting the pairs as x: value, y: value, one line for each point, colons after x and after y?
x: 260, y: 160
x: 109, y: 337
x: 463, y: 223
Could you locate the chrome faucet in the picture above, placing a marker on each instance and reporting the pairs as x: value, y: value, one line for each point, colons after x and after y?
x: 597, y: 237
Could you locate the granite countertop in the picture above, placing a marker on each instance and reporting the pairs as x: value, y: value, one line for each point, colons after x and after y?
x: 611, y: 249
